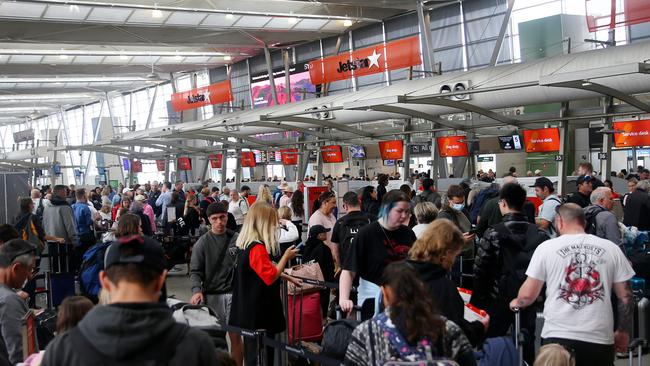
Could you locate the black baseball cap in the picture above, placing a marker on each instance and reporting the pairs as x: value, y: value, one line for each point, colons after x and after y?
x: 318, y: 229
x: 542, y: 182
x: 135, y: 249
x: 584, y: 178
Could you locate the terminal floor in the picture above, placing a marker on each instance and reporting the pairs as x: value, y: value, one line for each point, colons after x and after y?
x: 178, y: 285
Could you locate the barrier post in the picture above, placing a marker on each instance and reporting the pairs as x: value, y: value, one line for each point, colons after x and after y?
x: 261, y: 349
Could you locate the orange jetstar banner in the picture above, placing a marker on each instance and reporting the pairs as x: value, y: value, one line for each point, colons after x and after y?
x: 452, y: 146
x: 635, y: 133
x: 247, y: 159
x: 289, y: 156
x: 184, y: 164
x: 211, y: 94
x: 161, y: 165
x: 391, y: 150
x: 215, y: 161
x: 332, y: 154
x: 137, y: 167
x: 543, y: 140
x: 371, y: 60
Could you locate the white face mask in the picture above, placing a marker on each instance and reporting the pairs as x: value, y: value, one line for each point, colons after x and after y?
x: 458, y: 206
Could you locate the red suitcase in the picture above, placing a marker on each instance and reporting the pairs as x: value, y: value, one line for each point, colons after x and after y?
x: 305, y: 318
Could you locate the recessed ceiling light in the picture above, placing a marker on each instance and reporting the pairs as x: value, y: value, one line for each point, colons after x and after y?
x: 292, y: 20
x: 347, y: 23
x: 63, y: 57
x: 227, y: 57
x: 124, y: 57
x: 74, y: 8
x: 229, y: 16
x: 155, y: 13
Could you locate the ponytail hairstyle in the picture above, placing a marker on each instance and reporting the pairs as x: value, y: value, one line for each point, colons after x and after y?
x: 411, y: 308
x: 390, y: 199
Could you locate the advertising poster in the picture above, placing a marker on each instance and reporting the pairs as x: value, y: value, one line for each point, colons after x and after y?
x: 300, y: 86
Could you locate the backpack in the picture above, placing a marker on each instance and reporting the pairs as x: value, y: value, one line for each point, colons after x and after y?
x: 40, y: 209
x: 27, y: 231
x: 277, y: 195
x: 590, y: 219
x: 92, y: 263
x: 483, y: 196
x: 336, y: 337
x: 514, y: 263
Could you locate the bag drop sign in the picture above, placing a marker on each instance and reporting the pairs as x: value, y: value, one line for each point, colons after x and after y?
x: 452, y: 146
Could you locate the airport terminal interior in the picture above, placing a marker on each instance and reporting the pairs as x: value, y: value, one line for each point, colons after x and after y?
x: 294, y: 182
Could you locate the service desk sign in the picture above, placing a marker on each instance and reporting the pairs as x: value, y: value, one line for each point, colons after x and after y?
x: 247, y: 159
x: 542, y: 140
x: 332, y: 154
x: 391, y: 150
x: 215, y: 161
x: 452, y: 146
x: 184, y: 163
x: 289, y: 156
x: 207, y: 95
x: 635, y: 133
x: 371, y: 60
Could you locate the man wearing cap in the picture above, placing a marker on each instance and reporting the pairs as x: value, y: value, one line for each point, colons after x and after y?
x: 316, y: 250
x: 134, y: 327
x: 538, y: 173
x: 278, y: 193
x: 211, y: 270
x: 286, y: 197
x: 147, y: 211
x: 585, y: 168
x: 581, y: 197
x: 546, y: 192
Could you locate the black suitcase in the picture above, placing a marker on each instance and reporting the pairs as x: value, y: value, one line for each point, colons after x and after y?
x: 60, y: 280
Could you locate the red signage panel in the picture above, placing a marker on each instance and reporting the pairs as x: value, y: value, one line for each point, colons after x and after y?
x: 452, y: 146
x: 215, y: 161
x: 635, y: 133
x: 247, y: 159
x: 371, y: 60
x: 207, y: 95
x: 391, y: 150
x: 160, y: 164
x: 332, y: 154
x: 289, y: 156
x: 542, y: 140
x: 137, y: 167
x: 184, y: 163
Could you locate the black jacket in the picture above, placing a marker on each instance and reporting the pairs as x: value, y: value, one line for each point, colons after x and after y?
x: 370, y: 207
x: 637, y: 210
x: 493, y: 264
x: 448, y: 300
x: 130, y: 334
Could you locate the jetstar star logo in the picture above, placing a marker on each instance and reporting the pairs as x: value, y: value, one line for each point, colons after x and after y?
x: 368, y: 62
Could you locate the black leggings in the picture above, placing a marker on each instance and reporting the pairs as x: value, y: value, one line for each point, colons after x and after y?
x: 250, y: 351
x: 585, y: 353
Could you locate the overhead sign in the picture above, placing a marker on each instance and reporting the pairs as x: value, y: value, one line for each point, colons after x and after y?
x: 391, y: 149
x: 511, y: 142
x: 635, y: 133
x: 137, y: 167
x: 247, y: 159
x: 184, y: 163
x: 199, y: 97
x: 160, y: 164
x: 22, y: 136
x: 371, y: 60
x: 484, y: 159
x: 452, y: 146
x: 301, y: 88
x: 332, y: 154
x: 420, y: 149
x: 126, y: 164
x: 215, y: 161
x: 289, y: 156
x: 543, y: 140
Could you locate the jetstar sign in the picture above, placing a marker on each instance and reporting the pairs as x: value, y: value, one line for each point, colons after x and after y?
x: 390, y: 56
x: 211, y: 94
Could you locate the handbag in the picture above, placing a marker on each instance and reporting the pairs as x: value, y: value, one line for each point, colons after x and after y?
x: 310, y: 270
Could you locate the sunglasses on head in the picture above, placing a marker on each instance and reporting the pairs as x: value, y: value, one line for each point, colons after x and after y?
x: 32, y: 250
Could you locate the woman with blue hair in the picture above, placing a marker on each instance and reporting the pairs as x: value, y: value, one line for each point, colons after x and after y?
x: 376, y: 245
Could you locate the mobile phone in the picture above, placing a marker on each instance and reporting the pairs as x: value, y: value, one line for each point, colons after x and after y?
x: 299, y: 246
x: 472, y: 231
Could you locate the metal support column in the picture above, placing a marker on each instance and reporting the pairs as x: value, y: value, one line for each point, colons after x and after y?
x: 355, y: 85
x: 151, y: 107
x: 110, y: 116
x: 564, y: 147
x: 424, y: 24
x: 269, y: 68
x: 502, y: 33
x: 337, y: 49
x: 606, y: 165
x: 319, y: 166
x: 287, y: 78
x: 95, y: 136
x: 406, y: 162
x: 471, y: 159
x: 238, y: 169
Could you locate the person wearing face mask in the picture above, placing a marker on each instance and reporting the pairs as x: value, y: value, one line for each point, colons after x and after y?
x: 376, y: 245
x: 17, y: 264
x: 453, y: 209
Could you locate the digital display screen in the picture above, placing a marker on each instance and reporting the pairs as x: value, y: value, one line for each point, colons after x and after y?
x: 357, y: 152
x: 389, y: 162
x: 512, y: 142
x: 301, y: 86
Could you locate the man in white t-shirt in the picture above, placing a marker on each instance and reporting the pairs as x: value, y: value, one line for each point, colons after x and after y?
x: 546, y: 192
x: 581, y: 271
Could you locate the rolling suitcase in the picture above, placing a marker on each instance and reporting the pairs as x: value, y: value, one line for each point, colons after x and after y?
x: 641, y: 310
x: 305, y: 321
x: 636, y: 345
x: 60, y: 280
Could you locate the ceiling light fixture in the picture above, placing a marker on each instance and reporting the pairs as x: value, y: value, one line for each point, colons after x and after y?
x: 124, y: 57
x: 156, y: 13
x: 347, y: 23
x: 41, y: 52
x: 32, y: 97
x: 63, y: 57
x: 292, y: 20
x: 74, y: 8
x: 227, y: 58
x: 229, y: 15
x: 74, y: 79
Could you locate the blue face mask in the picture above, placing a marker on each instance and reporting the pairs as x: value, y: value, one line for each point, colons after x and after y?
x: 458, y: 206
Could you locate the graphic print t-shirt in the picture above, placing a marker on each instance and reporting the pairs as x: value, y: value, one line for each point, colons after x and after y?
x: 579, y: 271
x: 373, y: 248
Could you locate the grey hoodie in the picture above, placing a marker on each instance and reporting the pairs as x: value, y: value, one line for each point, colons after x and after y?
x: 58, y: 220
x: 211, y: 264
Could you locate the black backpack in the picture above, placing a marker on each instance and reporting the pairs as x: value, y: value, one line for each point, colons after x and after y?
x: 336, y: 337
x: 590, y: 219
x: 40, y: 209
x: 514, y: 263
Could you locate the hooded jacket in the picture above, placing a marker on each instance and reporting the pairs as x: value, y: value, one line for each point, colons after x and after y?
x: 58, y: 220
x: 130, y: 334
x: 447, y: 299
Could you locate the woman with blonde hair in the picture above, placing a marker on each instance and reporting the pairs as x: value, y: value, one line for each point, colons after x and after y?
x: 264, y: 194
x: 425, y: 213
x: 432, y: 256
x: 554, y: 354
x: 256, y: 302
